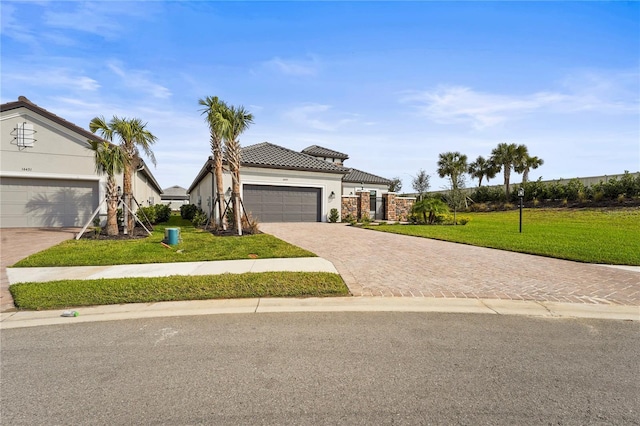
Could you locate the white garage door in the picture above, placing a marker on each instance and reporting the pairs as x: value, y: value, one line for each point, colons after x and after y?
x: 29, y: 203
x: 269, y: 203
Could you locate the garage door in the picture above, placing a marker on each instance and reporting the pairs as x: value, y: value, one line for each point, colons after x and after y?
x: 28, y: 203
x: 282, y: 203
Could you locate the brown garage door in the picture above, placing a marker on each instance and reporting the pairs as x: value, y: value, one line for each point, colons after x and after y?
x: 269, y: 203
x: 28, y: 203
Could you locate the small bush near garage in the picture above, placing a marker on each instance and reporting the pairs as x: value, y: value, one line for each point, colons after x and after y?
x: 188, y: 211
x: 163, y: 213
x: 333, y: 215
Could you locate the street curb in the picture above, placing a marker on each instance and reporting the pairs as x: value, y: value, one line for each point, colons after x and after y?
x: 20, y: 319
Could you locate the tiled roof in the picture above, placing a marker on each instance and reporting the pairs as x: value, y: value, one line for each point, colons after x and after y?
x: 320, y: 151
x: 175, y: 191
x: 26, y: 103
x: 358, y: 176
x: 268, y: 155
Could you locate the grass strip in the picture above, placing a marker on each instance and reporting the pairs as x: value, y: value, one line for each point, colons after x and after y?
x: 609, y: 236
x: 75, y: 293
x: 196, y: 246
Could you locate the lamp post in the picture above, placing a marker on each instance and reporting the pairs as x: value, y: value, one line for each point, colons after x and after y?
x: 521, y: 196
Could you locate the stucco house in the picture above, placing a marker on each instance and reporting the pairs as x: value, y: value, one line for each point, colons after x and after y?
x: 174, y: 196
x: 282, y: 185
x: 47, y: 172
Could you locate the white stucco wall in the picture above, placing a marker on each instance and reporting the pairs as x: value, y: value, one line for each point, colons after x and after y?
x: 57, y: 153
x: 328, y: 182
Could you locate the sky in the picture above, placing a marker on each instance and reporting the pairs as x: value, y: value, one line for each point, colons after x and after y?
x: 391, y: 84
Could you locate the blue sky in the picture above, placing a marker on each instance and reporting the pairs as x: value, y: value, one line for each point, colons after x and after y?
x: 391, y: 84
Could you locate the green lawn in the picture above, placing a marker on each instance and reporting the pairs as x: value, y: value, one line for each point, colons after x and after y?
x: 196, y: 245
x: 609, y: 236
x: 75, y: 293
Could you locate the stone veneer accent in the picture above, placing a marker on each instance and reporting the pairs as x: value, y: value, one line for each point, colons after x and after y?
x: 364, y: 204
x: 396, y: 208
x: 403, y: 207
x: 349, y: 206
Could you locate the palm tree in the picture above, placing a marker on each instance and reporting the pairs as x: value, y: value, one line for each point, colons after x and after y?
x: 132, y: 134
x: 453, y: 165
x: 482, y: 168
x: 527, y: 164
x: 431, y: 206
x: 110, y: 160
x: 214, y: 109
x: 235, y: 120
x: 505, y: 156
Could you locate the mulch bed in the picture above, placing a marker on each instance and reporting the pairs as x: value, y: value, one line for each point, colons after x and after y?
x: 136, y: 234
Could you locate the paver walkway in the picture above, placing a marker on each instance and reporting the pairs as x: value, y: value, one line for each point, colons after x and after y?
x: 18, y: 243
x: 375, y: 263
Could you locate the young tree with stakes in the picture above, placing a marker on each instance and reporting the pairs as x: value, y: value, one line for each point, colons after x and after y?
x: 110, y: 160
x: 235, y: 120
x: 214, y: 109
x: 133, y: 135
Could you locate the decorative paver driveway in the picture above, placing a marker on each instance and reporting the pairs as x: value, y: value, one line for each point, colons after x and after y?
x: 18, y: 243
x: 376, y: 263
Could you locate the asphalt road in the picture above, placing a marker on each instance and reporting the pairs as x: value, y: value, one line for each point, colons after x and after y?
x: 334, y: 368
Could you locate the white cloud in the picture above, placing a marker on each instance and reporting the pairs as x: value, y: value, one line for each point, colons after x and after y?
x: 301, y: 68
x: 101, y: 18
x: 59, y: 78
x: 319, y: 117
x: 614, y: 94
x: 139, y: 80
x: 11, y: 26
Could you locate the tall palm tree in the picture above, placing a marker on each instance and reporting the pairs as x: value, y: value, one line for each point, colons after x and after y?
x: 214, y: 110
x: 132, y: 135
x: 527, y: 164
x: 235, y: 120
x: 482, y: 168
x: 110, y: 160
x: 453, y: 165
x: 505, y: 156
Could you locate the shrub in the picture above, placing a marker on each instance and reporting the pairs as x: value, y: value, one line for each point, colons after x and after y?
x: 598, y: 196
x: 250, y: 225
x: 163, y: 213
x: 147, y: 215
x: 365, y: 219
x: 574, y: 189
x: 199, y: 218
x: 333, y: 215
x: 486, y: 194
x: 187, y: 211
x: 350, y: 219
x: 507, y: 206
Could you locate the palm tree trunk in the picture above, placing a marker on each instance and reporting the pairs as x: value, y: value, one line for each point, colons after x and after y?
x: 126, y: 189
x: 525, y: 175
x: 112, y: 207
x: 507, y: 176
x: 219, y: 188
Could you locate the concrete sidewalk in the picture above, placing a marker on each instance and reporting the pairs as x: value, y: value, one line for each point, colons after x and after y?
x: 299, y: 264
x: 22, y: 319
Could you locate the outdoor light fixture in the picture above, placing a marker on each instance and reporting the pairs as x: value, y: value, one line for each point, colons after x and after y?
x: 228, y: 193
x: 119, y: 191
x: 521, y: 196
x: 332, y: 195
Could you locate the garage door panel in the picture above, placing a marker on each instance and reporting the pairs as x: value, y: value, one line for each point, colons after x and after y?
x: 270, y: 203
x: 28, y: 202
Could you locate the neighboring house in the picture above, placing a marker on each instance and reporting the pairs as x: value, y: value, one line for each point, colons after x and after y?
x: 174, y: 197
x: 47, y: 171
x: 282, y: 185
